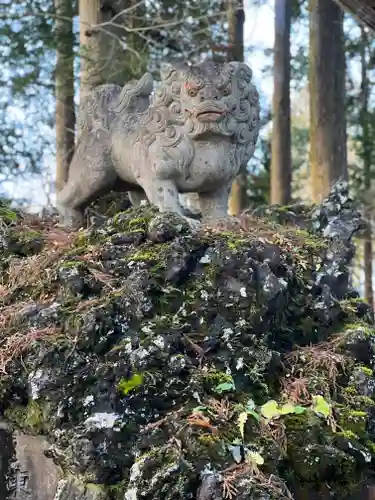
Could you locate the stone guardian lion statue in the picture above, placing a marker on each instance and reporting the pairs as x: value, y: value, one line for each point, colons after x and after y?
x: 192, y: 135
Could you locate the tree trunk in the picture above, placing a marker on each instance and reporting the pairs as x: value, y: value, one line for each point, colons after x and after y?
x: 281, y: 161
x: 110, y: 51
x: 367, y: 257
x: 64, y: 90
x: 367, y: 160
x: 90, y: 40
x: 328, y: 155
x: 362, y: 10
x: 236, y: 19
x: 138, y: 49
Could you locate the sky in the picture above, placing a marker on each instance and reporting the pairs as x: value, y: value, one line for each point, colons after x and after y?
x: 259, y: 33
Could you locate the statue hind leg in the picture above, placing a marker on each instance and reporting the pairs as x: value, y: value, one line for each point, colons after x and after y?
x: 214, y: 204
x: 89, y: 176
x: 71, y: 204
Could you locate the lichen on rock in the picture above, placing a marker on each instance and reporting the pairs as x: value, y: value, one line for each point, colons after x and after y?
x: 159, y: 363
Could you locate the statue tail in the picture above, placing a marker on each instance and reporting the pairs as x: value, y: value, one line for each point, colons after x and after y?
x: 134, y: 95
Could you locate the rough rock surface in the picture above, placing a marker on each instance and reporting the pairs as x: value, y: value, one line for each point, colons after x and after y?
x: 165, y: 364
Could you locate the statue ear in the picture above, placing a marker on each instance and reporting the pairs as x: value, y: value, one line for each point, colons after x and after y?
x: 241, y: 69
x: 167, y: 68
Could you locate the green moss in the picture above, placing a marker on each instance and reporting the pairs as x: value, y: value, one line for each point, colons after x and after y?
x: 7, y: 215
x: 71, y: 264
x: 80, y: 239
x: 365, y: 401
x: 233, y: 240
x: 214, y: 378
x: 16, y: 415
x: 365, y: 370
x: 302, y: 422
x: 208, y: 439
x: 24, y: 242
x: 347, y: 434
x: 282, y: 209
x: 350, y: 307
x: 29, y: 235
x: 153, y: 254
x: 94, y: 488
x: 139, y: 223
x: 313, y: 457
x: 117, y: 491
x: 133, y: 219
x: 370, y: 445
x: 359, y: 326
x: 85, y: 489
x: 142, y: 255
x: 33, y: 417
x: 353, y: 420
x: 314, y: 244
x: 349, y: 391
x: 303, y: 234
x: 212, y: 446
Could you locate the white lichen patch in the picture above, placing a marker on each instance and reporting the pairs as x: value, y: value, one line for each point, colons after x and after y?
x: 159, y: 342
x: 239, y: 364
x: 227, y: 333
x: 36, y: 381
x: 102, y: 420
x: 60, y: 489
x: 88, y: 401
x: 206, y: 259
x: 135, y: 472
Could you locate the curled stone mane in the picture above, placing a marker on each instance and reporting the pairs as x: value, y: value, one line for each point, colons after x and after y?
x: 166, y: 118
x: 245, y: 116
x: 98, y: 109
x: 167, y: 95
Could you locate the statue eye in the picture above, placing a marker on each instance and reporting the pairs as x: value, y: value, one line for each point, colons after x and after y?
x: 226, y: 91
x: 192, y: 92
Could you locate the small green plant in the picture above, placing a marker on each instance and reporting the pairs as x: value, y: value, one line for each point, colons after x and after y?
x: 321, y: 407
x: 225, y: 387
x: 254, y: 458
x: 243, y: 416
x: 272, y: 410
x: 127, y: 385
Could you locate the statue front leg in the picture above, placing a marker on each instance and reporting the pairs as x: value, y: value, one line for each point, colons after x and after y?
x: 137, y: 198
x: 164, y: 195
x: 214, y: 204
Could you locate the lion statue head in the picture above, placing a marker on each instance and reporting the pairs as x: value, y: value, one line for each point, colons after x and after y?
x: 212, y: 99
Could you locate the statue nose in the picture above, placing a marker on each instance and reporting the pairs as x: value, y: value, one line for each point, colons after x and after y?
x: 208, y: 94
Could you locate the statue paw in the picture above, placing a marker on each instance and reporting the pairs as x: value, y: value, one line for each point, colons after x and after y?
x: 71, y: 219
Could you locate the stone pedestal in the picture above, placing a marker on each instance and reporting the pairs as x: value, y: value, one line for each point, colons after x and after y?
x: 35, y: 477
x: 7, y: 458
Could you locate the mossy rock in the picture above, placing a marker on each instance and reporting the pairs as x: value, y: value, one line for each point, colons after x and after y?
x: 165, y: 363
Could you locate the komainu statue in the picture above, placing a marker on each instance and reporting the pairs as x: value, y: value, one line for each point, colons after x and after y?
x: 192, y: 135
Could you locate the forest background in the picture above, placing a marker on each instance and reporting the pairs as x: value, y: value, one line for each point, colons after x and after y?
x: 313, y: 65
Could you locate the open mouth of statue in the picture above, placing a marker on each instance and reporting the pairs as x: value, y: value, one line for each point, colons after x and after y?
x: 209, y: 115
